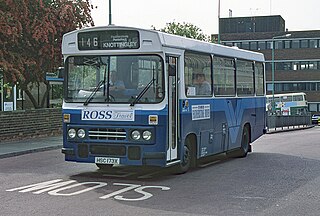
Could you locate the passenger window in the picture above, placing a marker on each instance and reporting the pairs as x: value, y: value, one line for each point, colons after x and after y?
x: 245, y: 77
x: 197, y: 74
x: 224, y: 76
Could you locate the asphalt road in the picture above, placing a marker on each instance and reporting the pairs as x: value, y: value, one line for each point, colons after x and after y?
x: 280, y: 177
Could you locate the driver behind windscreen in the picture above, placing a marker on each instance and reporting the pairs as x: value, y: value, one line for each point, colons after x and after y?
x: 115, y: 84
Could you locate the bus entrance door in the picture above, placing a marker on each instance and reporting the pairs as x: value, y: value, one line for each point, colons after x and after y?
x: 172, y: 148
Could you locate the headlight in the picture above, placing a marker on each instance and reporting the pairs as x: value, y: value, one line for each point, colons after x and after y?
x: 81, y: 133
x: 135, y: 135
x: 146, y: 135
x: 72, y: 133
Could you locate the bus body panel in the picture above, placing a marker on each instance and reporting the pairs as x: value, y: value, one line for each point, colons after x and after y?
x: 152, y: 149
x: 222, y: 130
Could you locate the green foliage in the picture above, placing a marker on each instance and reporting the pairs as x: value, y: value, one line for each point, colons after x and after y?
x: 30, y: 37
x: 185, y: 29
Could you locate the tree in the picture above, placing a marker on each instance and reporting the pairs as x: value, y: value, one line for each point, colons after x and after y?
x: 30, y: 38
x: 185, y: 29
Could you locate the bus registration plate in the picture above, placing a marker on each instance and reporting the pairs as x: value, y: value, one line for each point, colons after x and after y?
x: 107, y: 160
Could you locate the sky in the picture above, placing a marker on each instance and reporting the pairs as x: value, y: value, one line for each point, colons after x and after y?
x: 298, y: 15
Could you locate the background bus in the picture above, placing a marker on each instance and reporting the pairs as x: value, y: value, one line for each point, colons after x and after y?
x: 288, y: 104
x: 161, y: 117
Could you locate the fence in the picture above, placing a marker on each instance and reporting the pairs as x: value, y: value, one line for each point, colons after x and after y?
x: 23, y: 124
x: 288, y: 121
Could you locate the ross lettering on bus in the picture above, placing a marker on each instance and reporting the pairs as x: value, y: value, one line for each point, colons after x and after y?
x: 101, y: 115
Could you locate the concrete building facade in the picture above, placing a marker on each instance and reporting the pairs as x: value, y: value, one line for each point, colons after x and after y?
x: 296, y: 53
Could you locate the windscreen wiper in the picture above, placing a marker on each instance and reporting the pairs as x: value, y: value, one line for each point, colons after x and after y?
x: 142, y: 92
x: 93, y: 93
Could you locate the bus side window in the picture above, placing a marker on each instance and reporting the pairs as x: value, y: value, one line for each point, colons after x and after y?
x: 197, y: 63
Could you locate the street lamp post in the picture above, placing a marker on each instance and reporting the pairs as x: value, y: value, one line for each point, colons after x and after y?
x: 110, y: 21
x: 272, y: 66
x: 219, y: 22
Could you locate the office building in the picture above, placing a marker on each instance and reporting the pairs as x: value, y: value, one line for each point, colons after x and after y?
x: 296, y: 53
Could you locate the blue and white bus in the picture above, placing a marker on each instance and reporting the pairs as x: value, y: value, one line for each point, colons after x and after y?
x: 158, y: 117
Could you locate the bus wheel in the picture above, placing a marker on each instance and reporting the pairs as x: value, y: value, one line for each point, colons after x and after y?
x: 245, y: 142
x: 104, y: 166
x: 186, y: 160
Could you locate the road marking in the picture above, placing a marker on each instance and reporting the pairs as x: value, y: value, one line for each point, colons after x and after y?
x: 56, y: 186
x: 248, y: 197
x: 130, y: 187
x: 56, y: 191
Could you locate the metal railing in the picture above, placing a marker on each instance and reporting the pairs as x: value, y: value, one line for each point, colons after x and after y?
x: 288, y: 121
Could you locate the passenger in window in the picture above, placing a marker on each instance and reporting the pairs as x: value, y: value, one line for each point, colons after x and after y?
x: 203, y: 87
x: 115, y: 84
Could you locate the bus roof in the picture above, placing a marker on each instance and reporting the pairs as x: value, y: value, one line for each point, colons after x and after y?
x: 160, y: 39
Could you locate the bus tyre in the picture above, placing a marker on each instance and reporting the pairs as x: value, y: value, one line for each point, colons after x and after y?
x: 104, y: 166
x: 186, y: 160
x: 245, y: 142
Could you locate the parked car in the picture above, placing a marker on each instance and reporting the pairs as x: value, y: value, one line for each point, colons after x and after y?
x: 315, y: 118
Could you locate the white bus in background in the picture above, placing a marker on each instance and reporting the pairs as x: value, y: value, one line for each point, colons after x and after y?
x: 288, y: 103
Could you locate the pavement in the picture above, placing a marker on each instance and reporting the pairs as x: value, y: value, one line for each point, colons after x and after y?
x: 20, y: 147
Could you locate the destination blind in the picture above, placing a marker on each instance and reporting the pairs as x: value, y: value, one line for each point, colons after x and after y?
x: 108, y: 40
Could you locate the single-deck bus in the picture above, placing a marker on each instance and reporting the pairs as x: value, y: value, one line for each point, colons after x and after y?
x: 144, y: 97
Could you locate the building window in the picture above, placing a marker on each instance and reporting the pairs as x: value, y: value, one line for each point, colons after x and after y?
x: 313, y: 107
x: 304, y: 65
x: 262, y: 45
x: 296, y: 66
x: 279, y: 66
x: 245, y: 45
x: 302, y: 86
x: 278, y: 44
x: 294, y: 87
x: 253, y: 45
x: 311, y: 87
x: 287, y: 66
x: 287, y: 44
x: 304, y: 43
x: 269, y: 87
x: 313, y: 65
x: 268, y: 66
x: 313, y: 43
x: 295, y: 44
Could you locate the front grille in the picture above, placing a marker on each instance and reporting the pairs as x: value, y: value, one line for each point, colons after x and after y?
x: 108, y: 150
x: 107, y: 134
x: 83, y: 150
